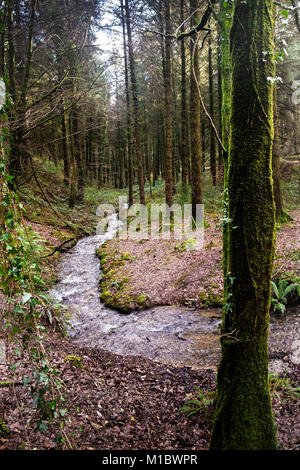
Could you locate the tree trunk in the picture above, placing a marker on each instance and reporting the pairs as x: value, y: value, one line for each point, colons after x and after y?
x: 168, y: 113
x: 243, y: 419
x: 65, y: 153
x: 213, y: 165
x: 137, y: 130
x: 184, y: 148
x: 18, y: 155
x: 195, y: 125
x: 281, y: 214
x: 226, y: 15
x: 128, y: 113
x: 220, y: 150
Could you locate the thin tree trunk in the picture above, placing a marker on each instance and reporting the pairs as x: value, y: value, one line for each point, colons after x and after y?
x: 281, y: 214
x: 137, y: 130
x: 195, y: 125
x: 213, y: 165
x: 168, y: 113
x: 220, y: 150
x: 184, y: 119
x: 3, y: 8
x: 226, y: 16
x: 128, y: 113
x: 77, y: 156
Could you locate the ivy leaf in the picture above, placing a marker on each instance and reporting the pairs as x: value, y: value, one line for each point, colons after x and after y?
x: 26, y: 380
x: 285, y: 13
x: 43, y: 426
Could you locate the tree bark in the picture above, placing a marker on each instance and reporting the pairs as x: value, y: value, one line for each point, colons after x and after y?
x: 195, y: 125
x: 213, y: 164
x: 184, y: 148
x: 137, y: 130
x: 168, y: 113
x: 243, y: 419
x: 226, y: 16
x: 128, y: 113
x: 18, y: 155
x: 281, y: 214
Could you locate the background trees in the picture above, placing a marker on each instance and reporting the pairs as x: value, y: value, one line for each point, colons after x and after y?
x: 66, y: 106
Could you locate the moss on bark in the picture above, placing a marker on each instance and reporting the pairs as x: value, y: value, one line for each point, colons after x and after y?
x: 243, y: 417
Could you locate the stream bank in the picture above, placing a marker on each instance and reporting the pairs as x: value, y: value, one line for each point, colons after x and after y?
x: 170, y: 334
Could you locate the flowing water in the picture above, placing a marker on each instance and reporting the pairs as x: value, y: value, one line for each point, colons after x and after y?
x: 169, y: 334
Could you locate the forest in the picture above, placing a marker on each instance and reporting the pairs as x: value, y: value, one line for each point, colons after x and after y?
x: 150, y: 221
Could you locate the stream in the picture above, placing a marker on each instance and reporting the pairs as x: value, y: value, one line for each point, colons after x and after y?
x: 169, y: 334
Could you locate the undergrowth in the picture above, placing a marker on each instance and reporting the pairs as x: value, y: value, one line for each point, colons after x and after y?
x: 23, y: 316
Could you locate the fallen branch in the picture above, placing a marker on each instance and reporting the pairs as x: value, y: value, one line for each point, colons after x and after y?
x: 58, y: 248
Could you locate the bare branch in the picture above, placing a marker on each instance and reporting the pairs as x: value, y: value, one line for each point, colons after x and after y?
x: 200, y: 96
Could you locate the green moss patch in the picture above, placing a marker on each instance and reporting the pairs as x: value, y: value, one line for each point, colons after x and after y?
x: 210, y: 299
x: 116, y: 291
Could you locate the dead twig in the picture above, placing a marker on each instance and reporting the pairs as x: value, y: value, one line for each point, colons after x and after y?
x: 58, y: 248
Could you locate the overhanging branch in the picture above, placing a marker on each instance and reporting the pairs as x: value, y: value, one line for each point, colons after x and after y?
x: 199, y: 27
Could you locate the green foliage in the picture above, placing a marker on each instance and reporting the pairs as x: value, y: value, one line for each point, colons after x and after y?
x: 75, y: 360
x: 283, y: 384
x: 20, y: 280
x: 141, y: 299
x: 186, y: 245
x: 5, y: 383
x: 128, y: 257
x: 94, y: 197
x: 281, y: 292
x: 210, y: 299
x: 199, y: 402
x: 3, y: 427
x: 291, y: 193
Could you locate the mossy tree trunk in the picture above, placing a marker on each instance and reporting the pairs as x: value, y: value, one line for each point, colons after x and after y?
x: 243, y: 419
x: 212, y: 147
x: 225, y: 23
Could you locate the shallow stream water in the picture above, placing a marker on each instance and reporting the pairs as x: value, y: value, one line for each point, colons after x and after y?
x: 169, y: 334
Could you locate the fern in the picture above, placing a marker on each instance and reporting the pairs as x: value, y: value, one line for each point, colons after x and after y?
x: 281, y: 292
x: 200, y: 402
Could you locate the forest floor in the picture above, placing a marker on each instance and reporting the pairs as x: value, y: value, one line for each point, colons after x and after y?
x: 130, y: 403
x: 119, y: 402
